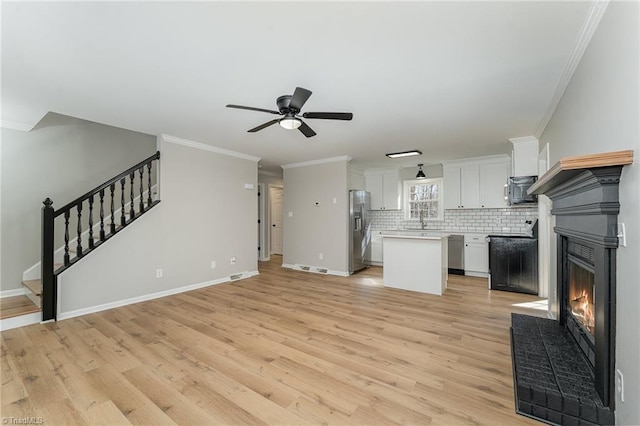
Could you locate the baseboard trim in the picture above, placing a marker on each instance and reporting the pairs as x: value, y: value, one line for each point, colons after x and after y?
x: 13, y: 293
x: 20, y: 321
x: 476, y: 274
x: 151, y: 296
x: 315, y: 269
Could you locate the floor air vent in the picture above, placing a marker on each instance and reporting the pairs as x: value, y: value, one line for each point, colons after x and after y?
x: 305, y: 268
x: 235, y: 277
x: 321, y: 270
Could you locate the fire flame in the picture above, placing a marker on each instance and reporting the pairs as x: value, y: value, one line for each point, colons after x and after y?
x: 582, y: 309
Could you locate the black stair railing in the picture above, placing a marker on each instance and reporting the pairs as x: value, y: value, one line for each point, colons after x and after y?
x: 104, y: 193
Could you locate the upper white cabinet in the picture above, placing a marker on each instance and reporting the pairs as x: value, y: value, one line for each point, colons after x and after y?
x: 493, y: 178
x: 385, y: 187
x: 461, y: 187
x: 525, y: 156
x: 476, y: 182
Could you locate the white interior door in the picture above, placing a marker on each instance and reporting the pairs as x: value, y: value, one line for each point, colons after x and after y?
x: 277, y: 201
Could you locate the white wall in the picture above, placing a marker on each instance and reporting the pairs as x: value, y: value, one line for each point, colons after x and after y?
x: 318, y: 225
x: 62, y: 158
x: 205, y: 214
x: 600, y: 112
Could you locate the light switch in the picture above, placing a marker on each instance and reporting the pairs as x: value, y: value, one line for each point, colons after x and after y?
x: 248, y: 186
x: 290, y: 214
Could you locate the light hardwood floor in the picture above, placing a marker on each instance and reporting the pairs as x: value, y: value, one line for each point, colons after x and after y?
x: 284, y: 347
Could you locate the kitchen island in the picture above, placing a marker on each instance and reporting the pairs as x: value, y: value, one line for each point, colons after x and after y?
x: 415, y: 261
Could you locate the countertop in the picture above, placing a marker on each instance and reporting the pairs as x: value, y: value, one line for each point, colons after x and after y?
x: 414, y: 235
x: 447, y: 233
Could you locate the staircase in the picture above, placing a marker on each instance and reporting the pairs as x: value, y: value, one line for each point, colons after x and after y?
x: 108, y: 209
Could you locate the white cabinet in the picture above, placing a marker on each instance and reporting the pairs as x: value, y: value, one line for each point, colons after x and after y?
x: 493, y: 178
x: 376, y: 248
x: 461, y: 187
x: 451, y: 177
x: 469, y: 194
x: 476, y: 183
x: 476, y: 255
x: 385, y: 187
x: 525, y: 156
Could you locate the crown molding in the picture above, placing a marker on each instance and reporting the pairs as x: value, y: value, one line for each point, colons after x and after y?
x: 15, y: 126
x: 206, y: 147
x: 524, y: 139
x: 316, y: 162
x: 499, y: 158
x: 268, y: 173
x: 598, y: 7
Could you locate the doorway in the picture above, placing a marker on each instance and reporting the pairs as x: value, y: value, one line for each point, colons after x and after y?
x: 276, y: 201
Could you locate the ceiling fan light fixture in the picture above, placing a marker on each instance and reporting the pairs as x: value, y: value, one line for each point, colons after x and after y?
x: 420, y: 174
x: 404, y: 154
x: 290, y: 123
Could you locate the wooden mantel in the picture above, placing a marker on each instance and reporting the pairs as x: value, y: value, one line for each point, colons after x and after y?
x: 569, y: 167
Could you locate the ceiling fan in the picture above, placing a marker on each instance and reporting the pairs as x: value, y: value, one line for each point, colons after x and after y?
x: 289, y: 106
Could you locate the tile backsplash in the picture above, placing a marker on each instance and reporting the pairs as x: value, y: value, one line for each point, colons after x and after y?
x: 504, y: 220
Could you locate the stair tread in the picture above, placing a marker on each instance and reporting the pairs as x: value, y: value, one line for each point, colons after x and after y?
x: 15, y: 306
x: 34, y: 286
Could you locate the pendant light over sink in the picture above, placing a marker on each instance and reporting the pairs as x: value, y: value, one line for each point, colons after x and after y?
x: 420, y: 174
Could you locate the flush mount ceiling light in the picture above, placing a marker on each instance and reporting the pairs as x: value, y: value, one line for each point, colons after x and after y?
x: 404, y: 154
x: 420, y: 174
x: 290, y: 123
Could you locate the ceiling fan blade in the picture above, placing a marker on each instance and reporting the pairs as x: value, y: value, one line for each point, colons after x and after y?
x: 299, y: 97
x: 253, y: 109
x: 329, y: 115
x: 306, y: 130
x: 262, y: 126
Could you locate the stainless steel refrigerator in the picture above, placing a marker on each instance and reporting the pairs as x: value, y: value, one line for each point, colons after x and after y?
x: 359, y: 230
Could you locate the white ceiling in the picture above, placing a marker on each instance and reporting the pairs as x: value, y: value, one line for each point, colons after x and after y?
x: 454, y: 79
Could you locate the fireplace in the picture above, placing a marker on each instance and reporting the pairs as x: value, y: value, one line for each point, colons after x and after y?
x: 586, y: 291
x: 564, y: 369
x: 582, y: 293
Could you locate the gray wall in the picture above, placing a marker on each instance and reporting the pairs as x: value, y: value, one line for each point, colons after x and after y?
x: 205, y: 214
x: 320, y: 228
x: 598, y: 113
x: 61, y: 158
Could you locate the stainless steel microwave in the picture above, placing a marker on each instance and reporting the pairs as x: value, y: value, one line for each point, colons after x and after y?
x: 517, y: 190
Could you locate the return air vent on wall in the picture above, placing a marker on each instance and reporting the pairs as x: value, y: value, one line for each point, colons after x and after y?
x: 235, y: 277
x: 321, y: 270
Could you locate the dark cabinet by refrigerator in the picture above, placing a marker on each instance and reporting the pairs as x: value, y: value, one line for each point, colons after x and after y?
x: 513, y: 264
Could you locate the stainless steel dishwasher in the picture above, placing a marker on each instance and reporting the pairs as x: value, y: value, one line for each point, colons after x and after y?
x: 456, y: 254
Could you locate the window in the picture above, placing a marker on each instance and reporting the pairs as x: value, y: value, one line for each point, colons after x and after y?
x: 424, y: 197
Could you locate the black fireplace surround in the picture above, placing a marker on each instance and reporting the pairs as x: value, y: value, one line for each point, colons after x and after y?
x: 564, y: 369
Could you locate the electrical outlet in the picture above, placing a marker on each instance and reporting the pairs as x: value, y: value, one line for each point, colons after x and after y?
x: 233, y: 260
x: 620, y: 384
x: 158, y: 273
x: 213, y: 264
x: 321, y: 256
